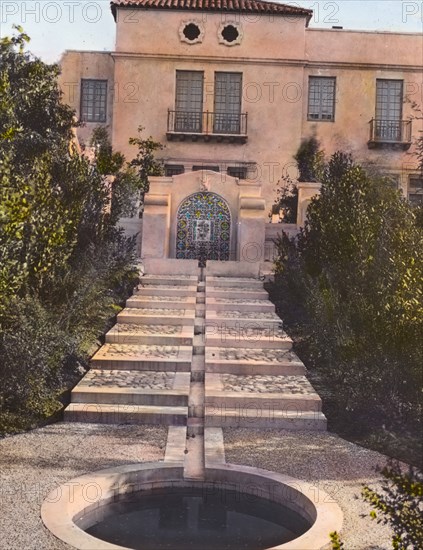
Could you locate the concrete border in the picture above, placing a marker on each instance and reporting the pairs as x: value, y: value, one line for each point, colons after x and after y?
x: 65, y: 507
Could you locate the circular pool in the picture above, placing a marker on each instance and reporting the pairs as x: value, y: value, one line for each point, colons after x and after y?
x: 151, y: 506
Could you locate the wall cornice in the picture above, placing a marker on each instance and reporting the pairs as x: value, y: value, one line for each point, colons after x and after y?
x: 272, y: 61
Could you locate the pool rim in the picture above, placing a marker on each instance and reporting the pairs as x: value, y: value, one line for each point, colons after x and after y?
x: 65, y: 505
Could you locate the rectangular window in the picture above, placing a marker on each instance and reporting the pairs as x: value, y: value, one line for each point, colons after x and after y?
x: 205, y: 167
x: 93, y: 100
x: 321, y: 98
x: 389, y: 98
x: 415, y: 190
x: 227, y: 103
x: 393, y: 180
x: 239, y: 172
x: 174, y: 170
x: 189, y: 101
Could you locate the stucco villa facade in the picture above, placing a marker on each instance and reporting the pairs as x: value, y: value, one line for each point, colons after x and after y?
x: 231, y: 87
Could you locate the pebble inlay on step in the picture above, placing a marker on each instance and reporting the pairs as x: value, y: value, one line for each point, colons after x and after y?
x: 133, y: 351
x: 241, y: 301
x: 267, y: 384
x: 250, y: 336
x: 236, y: 314
x: 160, y: 312
x: 148, y: 329
x: 259, y: 355
x: 129, y: 379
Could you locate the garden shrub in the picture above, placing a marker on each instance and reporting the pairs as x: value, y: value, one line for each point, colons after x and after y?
x: 400, y: 505
x: 351, y: 284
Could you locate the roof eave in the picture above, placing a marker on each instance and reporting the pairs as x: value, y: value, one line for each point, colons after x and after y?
x: 307, y: 13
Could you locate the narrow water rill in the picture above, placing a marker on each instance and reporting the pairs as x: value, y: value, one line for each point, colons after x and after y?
x: 198, y: 350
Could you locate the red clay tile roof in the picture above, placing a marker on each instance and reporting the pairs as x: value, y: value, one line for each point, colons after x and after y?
x: 237, y: 6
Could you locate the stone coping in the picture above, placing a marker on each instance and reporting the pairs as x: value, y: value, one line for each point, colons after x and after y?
x: 66, y: 505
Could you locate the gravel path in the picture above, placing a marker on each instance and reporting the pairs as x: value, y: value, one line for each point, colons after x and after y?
x: 32, y: 464
x: 336, y: 466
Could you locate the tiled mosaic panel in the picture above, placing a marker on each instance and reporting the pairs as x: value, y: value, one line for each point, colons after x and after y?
x: 196, y: 209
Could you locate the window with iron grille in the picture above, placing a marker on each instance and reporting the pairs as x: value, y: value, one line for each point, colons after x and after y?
x: 415, y: 190
x: 227, y: 103
x: 321, y: 98
x: 189, y: 101
x: 93, y: 100
x: 239, y: 172
x: 174, y: 170
x: 389, y: 99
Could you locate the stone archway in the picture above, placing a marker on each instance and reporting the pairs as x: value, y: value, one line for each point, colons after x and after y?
x: 203, y: 220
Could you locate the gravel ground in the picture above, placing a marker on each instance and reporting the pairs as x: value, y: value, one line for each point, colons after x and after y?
x: 336, y: 466
x: 32, y: 464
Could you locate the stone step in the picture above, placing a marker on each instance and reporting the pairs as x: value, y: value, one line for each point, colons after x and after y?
x: 140, y: 357
x: 165, y: 290
x: 246, y: 336
x: 158, y: 335
x: 262, y: 393
x: 166, y: 316
x: 133, y: 388
x: 253, y: 418
x: 235, y: 292
x: 242, y: 361
x: 239, y: 304
x: 242, y: 319
x: 241, y: 282
x: 160, y: 302
x: 125, y: 414
x: 168, y: 280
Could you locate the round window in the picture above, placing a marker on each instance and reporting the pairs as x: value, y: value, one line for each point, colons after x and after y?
x: 191, y: 32
x: 230, y: 33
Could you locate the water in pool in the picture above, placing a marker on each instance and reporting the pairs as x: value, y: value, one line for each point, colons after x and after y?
x: 200, y: 519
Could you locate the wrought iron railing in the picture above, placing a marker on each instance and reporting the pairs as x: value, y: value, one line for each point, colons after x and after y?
x: 191, y: 122
x: 390, y: 131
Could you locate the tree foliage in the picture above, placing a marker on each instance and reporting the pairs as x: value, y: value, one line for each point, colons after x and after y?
x: 310, y: 163
x: 65, y: 264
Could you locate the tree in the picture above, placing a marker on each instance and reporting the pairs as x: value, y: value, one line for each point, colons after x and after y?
x: 310, y: 161
x: 65, y: 264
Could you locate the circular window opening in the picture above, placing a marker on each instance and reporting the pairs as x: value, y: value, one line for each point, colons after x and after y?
x: 191, y: 32
x: 230, y: 33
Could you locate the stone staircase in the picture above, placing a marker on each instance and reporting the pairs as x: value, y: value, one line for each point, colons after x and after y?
x: 195, y: 352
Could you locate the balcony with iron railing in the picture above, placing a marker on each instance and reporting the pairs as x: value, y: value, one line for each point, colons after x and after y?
x: 396, y: 133
x: 207, y: 126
